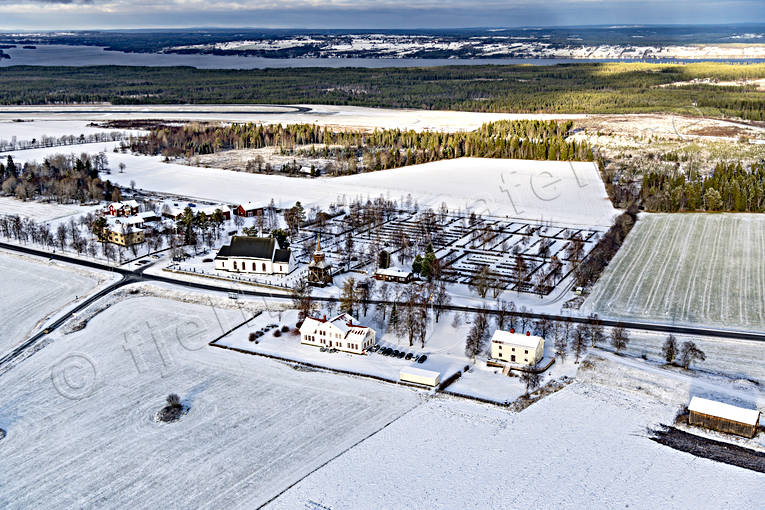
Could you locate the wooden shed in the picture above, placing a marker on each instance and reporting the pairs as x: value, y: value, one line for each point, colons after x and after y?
x: 722, y: 417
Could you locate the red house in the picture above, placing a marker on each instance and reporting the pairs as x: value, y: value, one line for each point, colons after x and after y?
x: 126, y: 208
x: 248, y: 209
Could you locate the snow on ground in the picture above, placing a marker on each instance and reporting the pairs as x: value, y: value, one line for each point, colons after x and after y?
x: 39, y: 155
x: 50, y: 128
x: 328, y: 115
x: 735, y: 359
x: 564, y: 192
x: 688, y: 268
x: 38, y: 211
x: 585, y: 446
x: 33, y: 290
x: 79, y: 415
x: 444, y: 347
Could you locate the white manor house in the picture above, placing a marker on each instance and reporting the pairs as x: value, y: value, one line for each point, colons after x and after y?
x: 343, y: 333
x: 247, y: 254
x: 516, y: 348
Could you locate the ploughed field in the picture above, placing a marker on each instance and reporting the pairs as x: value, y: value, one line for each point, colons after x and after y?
x: 706, y: 269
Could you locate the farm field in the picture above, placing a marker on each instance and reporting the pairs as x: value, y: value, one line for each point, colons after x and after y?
x: 688, y: 268
x: 565, y: 192
x: 586, y: 446
x: 253, y: 428
x: 33, y: 290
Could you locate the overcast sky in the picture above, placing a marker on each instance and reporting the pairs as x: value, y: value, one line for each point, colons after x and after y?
x: 79, y: 14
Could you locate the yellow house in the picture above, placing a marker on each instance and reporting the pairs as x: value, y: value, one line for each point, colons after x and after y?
x: 124, y: 237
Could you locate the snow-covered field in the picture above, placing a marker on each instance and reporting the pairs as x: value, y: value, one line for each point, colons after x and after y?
x: 557, y: 191
x: 571, y: 193
x: 79, y: 416
x: 329, y: 115
x: 33, y: 290
x: 38, y: 211
x: 688, y: 268
x: 50, y: 128
x: 584, y: 447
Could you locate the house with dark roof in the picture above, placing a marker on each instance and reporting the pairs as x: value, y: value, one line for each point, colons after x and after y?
x: 250, y: 254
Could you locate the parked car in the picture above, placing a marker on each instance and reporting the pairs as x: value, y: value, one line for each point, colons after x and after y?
x: 400, y: 354
x: 323, y: 349
x: 374, y: 348
x: 387, y: 351
x: 395, y: 352
x: 332, y: 350
x: 408, y: 355
x: 422, y: 358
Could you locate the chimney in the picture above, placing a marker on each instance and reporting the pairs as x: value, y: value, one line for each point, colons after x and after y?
x: 528, y: 333
x: 324, y: 318
x: 512, y: 330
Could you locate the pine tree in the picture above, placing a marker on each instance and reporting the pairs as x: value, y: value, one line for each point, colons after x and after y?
x: 669, y: 349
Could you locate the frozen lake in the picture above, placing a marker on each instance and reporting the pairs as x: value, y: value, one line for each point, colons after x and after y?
x: 64, y: 55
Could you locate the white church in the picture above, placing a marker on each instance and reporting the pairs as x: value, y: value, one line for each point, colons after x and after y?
x: 247, y: 254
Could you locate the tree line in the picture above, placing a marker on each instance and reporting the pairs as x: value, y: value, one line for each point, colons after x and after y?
x: 563, y: 88
x: 377, y: 150
x: 729, y: 187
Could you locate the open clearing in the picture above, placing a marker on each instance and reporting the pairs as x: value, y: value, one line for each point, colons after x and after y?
x: 36, y: 210
x: 688, y: 268
x: 33, y: 290
x: 584, y: 447
x: 254, y: 426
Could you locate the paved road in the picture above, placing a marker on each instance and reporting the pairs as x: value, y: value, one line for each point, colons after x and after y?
x: 29, y: 342
x: 131, y: 276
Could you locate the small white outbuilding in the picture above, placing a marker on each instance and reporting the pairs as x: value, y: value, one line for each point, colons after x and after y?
x: 420, y: 376
x: 516, y: 348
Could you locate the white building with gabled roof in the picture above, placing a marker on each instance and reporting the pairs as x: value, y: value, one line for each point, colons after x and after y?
x: 516, y: 348
x: 343, y: 333
x: 247, y: 254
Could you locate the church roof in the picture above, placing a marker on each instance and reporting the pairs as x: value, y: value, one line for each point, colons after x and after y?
x: 249, y: 246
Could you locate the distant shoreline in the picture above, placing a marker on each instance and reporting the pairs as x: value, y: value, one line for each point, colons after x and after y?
x: 83, y: 56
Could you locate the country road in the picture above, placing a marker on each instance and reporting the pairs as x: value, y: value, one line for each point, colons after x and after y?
x: 137, y: 275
